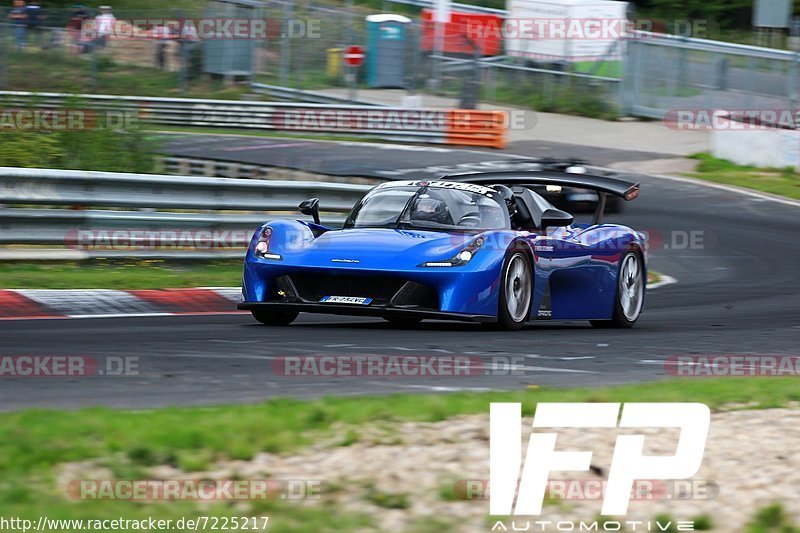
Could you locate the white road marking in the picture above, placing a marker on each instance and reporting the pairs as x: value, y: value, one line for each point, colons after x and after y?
x: 548, y: 369
x: 667, y: 362
x: 435, y: 388
x: 221, y: 356
x: 397, y: 348
x: 119, y: 315
x: 223, y: 341
x: 665, y: 280
x: 731, y: 188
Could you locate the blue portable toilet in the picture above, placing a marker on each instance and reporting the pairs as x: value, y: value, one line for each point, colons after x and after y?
x: 387, y: 38
x: 230, y: 57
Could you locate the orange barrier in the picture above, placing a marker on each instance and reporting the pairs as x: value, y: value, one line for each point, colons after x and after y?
x: 472, y: 127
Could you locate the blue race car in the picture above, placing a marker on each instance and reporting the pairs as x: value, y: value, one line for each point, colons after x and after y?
x: 474, y: 247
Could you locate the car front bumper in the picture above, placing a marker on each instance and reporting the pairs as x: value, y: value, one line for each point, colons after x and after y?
x: 363, y: 310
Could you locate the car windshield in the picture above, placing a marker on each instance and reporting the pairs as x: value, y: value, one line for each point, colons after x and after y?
x: 431, y: 206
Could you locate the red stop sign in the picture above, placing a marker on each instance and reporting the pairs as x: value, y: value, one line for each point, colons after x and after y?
x: 354, y: 56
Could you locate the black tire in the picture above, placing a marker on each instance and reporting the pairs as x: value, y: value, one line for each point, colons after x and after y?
x: 274, y: 318
x: 513, y: 317
x: 624, y: 315
x: 406, y: 321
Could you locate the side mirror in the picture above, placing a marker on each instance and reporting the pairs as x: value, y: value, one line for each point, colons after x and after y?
x: 310, y: 207
x: 555, y: 217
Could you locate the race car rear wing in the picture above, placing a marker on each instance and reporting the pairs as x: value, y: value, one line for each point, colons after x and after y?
x: 601, y: 184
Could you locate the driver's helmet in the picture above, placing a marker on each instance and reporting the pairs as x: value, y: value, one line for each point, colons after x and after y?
x: 508, y: 196
x: 431, y: 209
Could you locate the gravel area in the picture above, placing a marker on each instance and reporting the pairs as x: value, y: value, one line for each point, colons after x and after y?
x: 749, y: 457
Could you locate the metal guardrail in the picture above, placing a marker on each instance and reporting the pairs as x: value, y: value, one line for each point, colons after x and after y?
x: 109, y: 189
x: 190, y: 166
x: 453, y: 64
x: 193, y: 166
x: 147, y: 208
x: 457, y: 127
x: 708, y: 45
x: 287, y: 94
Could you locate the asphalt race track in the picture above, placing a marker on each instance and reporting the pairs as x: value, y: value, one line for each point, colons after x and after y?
x: 735, y: 258
x: 382, y: 160
x: 363, y: 159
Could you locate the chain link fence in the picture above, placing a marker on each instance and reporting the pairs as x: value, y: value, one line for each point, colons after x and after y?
x: 666, y: 74
x: 302, y: 49
x: 303, y: 44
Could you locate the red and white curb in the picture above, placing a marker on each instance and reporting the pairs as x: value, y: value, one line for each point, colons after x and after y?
x: 18, y: 304
x: 26, y: 304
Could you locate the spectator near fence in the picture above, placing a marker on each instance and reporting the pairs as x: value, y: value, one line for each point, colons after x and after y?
x: 163, y: 36
x: 35, y: 22
x: 75, y: 28
x: 19, y: 19
x: 104, y: 25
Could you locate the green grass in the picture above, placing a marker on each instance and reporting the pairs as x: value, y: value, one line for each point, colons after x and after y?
x: 99, y: 274
x: 783, y: 182
x: 608, y: 69
x: 385, y: 499
x: 703, y: 522
x: 34, y: 443
x: 57, y: 71
x: 43, y: 438
x: 569, y: 97
x: 772, y: 519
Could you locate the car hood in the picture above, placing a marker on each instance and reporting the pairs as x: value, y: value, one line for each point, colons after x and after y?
x: 377, y: 248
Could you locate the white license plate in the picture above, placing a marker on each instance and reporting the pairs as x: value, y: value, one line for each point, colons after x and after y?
x: 354, y: 300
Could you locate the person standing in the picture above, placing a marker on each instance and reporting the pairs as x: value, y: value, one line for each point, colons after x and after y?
x: 162, y: 36
x: 75, y: 28
x: 35, y: 21
x: 19, y: 19
x: 104, y: 24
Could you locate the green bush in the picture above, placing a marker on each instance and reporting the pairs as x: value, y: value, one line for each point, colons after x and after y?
x: 29, y: 149
x: 110, y: 150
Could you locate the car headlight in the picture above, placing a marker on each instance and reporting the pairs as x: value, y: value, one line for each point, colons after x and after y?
x: 262, y: 246
x: 461, y: 258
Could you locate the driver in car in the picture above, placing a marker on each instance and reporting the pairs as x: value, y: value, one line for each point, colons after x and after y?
x: 430, y: 209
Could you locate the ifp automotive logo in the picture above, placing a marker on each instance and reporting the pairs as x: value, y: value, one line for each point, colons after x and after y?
x: 528, y: 481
